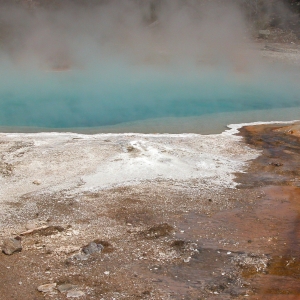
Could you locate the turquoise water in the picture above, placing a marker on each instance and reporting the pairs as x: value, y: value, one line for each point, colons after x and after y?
x: 111, y: 93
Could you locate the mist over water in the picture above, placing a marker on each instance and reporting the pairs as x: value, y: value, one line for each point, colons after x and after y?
x: 124, y: 62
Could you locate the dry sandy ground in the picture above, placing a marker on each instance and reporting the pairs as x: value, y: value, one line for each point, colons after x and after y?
x: 174, y: 216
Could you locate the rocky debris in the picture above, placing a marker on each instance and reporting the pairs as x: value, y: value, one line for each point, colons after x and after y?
x: 11, y: 245
x: 158, y: 231
x: 75, y: 294
x: 92, y: 248
x: 47, y: 288
x: 66, y: 287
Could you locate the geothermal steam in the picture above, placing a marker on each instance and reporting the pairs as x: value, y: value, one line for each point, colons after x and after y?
x: 129, y: 60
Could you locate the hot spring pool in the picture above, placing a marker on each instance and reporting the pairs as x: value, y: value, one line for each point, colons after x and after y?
x: 116, y: 96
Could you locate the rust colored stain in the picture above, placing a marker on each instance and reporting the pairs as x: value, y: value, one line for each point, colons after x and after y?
x: 277, y: 172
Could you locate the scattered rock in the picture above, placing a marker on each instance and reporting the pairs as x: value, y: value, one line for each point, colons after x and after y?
x: 11, y: 245
x: 75, y: 294
x: 92, y: 248
x: 46, y: 288
x: 66, y: 287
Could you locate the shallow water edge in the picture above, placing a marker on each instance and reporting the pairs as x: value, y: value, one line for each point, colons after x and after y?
x: 206, y: 124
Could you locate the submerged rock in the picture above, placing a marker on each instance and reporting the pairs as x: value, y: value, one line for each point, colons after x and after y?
x: 11, y: 245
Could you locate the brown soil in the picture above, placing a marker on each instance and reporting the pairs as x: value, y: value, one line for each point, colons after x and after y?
x: 163, y: 243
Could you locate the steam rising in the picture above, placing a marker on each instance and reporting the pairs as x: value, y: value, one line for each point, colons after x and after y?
x: 129, y: 60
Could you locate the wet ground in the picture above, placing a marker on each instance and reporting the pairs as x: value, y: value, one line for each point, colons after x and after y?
x: 165, y: 239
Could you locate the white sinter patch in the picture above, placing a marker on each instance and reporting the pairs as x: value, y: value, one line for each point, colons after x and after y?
x: 51, y: 162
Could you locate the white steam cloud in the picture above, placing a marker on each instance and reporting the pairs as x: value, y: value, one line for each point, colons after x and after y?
x: 139, y: 31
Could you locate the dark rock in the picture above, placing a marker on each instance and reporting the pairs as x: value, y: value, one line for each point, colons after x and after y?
x: 11, y: 245
x: 92, y: 248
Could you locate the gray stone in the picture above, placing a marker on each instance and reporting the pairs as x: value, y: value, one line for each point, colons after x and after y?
x: 46, y: 288
x: 11, y: 245
x: 75, y: 294
x: 92, y: 248
x: 66, y: 287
